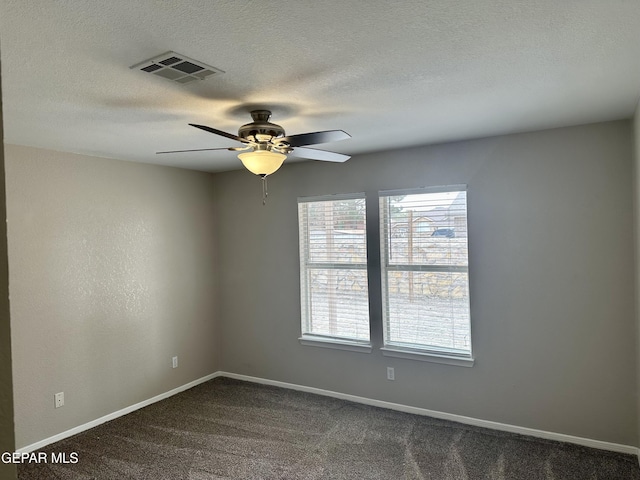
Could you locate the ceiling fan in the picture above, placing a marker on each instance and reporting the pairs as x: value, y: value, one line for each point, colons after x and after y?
x: 265, y: 145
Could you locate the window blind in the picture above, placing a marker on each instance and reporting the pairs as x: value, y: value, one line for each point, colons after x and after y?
x: 333, y: 268
x: 425, y: 278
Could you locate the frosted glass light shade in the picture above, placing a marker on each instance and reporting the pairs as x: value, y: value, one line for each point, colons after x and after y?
x: 262, y: 162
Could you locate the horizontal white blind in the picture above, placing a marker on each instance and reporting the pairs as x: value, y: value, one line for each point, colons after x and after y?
x: 333, y: 268
x: 425, y: 270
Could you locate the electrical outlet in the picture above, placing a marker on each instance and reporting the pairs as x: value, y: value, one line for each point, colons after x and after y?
x: 59, y: 399
x: 174, y: 361
x: 391, y: 374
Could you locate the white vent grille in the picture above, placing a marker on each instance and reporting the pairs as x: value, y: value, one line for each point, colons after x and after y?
x: 176, y: 67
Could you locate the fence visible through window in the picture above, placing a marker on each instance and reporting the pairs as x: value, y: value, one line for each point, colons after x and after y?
x: 333, y: 258
x: 425, y: 270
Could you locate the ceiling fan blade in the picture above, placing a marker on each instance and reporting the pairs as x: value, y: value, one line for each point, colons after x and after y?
x: 196, y: 150
x: 315, y: 138
x: 314, y: 154
x: 220, y: 132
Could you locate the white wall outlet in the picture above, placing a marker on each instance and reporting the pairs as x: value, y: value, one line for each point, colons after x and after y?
x: 174, y: 361
x: 391, y: 374
x: 59, y: 399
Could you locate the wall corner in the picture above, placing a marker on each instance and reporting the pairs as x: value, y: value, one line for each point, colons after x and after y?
x: 7, y: 433
x: 636, y: 215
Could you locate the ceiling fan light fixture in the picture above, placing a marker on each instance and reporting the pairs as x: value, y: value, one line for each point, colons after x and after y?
x: 262, y: 162
x: 269, y: 146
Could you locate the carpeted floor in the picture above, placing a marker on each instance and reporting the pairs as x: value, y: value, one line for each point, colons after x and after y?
x: 227, y: 429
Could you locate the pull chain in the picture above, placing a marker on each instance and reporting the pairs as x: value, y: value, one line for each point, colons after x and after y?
x: 265, y: 193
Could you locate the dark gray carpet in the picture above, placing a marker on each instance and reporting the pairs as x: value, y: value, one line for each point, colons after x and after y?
x: 227, y: 429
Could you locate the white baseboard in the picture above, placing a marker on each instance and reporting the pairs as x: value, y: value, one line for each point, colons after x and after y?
x: 561, y: 437
x: 587, y: 442
x: 114, y: 415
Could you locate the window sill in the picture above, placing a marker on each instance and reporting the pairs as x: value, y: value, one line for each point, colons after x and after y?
x: 336, y: 344
x: 427, y: 357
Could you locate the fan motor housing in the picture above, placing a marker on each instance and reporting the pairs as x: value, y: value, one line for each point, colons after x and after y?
x: 260, y: 126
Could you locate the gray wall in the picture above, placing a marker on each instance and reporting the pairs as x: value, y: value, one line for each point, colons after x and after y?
x: 552, y: 280
x: 6, y: 389
x: 112, y: 272
x: 636, y: 204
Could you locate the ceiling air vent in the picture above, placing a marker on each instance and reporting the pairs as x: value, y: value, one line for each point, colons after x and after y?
x: 176, y: 67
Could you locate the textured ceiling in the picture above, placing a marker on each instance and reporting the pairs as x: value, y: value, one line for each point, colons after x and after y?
x: 391, y: 73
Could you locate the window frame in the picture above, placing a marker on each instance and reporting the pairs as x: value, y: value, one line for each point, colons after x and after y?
x: 315, y: 339
x: 431, y: 353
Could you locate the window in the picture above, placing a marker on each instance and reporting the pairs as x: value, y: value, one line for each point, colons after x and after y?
x: 425, y: 279
x: 333, y: 270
